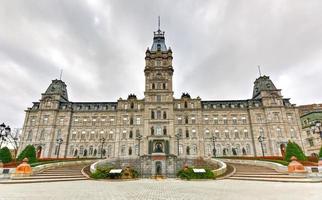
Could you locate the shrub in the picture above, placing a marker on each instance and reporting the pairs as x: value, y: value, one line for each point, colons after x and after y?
x: 293, y: 149
x: 29, y: 152
x: 188, y: 174
x: 320, y: 153
x: 101, y: 173
x: 5, y: 155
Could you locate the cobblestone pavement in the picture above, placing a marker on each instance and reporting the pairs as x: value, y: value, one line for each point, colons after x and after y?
x: 163, y: 189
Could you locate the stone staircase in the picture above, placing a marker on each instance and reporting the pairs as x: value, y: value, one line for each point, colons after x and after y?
x: 257, y: 173
x: 70, y: 173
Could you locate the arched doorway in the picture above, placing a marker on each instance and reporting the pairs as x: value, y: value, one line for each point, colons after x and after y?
x: 158, y: 168
x: 282, y: 148
x: 85, y: 153
x: 39, y: 149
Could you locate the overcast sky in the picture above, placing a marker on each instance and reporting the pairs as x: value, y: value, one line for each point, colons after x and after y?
x: 100, y: 45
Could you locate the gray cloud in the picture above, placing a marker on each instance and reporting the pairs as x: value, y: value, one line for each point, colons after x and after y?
x: 217, y: 46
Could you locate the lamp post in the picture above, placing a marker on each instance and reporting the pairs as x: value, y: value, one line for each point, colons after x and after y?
x: 59, y: 142
x: 5, y: 131
x: 102, y: 140
x: 178, y: 136
x: 214, y: 144
x: 261, y: 140
x: 139, y: 138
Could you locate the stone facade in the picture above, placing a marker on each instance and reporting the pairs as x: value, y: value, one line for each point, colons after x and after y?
x: 311, y: 118
x: 160, y: 120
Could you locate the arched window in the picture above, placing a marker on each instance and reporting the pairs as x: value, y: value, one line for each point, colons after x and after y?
x: 152, y: 114
x: 186, y: 120
x: 236, y: 134
x: 132, y: 105
x: 29, y: 137
x: 188, y: 150
x: 131, y: 120
x: 130, y: 150
x: 187, y: 133
x: 131, y: 134
x: 164, y: 115
x: 164, y: 86
x: 81, y: 150
x: 153, y: 86
x: 158, y: 114
x: 185, y: 104
x: 152, y: 130
x: 164, y: 130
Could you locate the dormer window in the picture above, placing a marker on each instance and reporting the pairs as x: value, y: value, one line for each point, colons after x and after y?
x: 159, y: 47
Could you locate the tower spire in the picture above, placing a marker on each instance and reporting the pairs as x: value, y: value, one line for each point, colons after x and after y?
x: 259, y: 70
x: 61, y: 74
x: 158, y: 23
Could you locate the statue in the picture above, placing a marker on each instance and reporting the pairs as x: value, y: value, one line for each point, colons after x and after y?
x: 158, y: 148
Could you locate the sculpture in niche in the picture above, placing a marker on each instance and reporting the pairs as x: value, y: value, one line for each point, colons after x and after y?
x: 158, y: 148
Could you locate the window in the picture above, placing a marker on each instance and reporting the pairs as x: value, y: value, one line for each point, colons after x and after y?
x: 83, y: 135
x: 310, y: 141
x: 234, y: 120
x: 179, y: 120
x: 131, y: 120
x: 152, y: 130
x: 131, y: 134
x: 164, y: 115
x: 217, y: 135
x: 29, y: 137
x: 158, y: 114
x: 123, y: 150
x: 225, y: 120
x: 132, y: 105
x: 246, y: 133
x: 74, y: 135
x: 194, y: 135
x: 186, y: 120
x: 158, y: 98
x: 152, y: 114
x: 45, y: 120
x: 178, y: 105
x: 206, y: 119
x: 259, y: 118
x: 164, y: 130
x: 207, y: 133
x: 188, y: 150
x: 185, y: 104
x: 226, y: 134
x: 42, y: 135
x: 244, y: 121
x: 194, y: 149
x: 192, y: 105
x: 138, y: 120
x: 124, y: 134
x: 193, y: 120
x: 187, y: 133
x: 215, y: 120
x: 164, y: 86
x: 130, y: 150
x: 153, y: 86
x: 91, y: 137
x: 236, y: 134
x: 158, y: 131
x: 279, y: 132
x: 293, y: 133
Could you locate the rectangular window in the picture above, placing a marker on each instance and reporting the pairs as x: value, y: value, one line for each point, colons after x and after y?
x: 138, y: 120
x: 225, y: 120
x: 193, y: 120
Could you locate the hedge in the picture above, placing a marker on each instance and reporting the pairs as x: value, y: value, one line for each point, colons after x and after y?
x: 293, y: 149
x: 5, y: 155
x: 29, y: 152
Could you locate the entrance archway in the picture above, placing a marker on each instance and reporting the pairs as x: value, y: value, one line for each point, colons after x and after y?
x: 158, y: 168
x: 39, y: 149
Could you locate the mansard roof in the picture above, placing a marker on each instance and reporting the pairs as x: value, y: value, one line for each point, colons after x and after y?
x: 57, y: 87
x: 263, y: 83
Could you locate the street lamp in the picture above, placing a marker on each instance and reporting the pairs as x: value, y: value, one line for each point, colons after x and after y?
x: 261, y: 140
x: 102, y: 140
x: 59, y: 142
x: 178, y: 136
x: 139, y: 138
x: 214, y: 143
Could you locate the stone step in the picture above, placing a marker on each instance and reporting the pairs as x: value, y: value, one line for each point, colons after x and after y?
x: 269, y: 176
x: 41, y: 180
x: 47, y: 177
x: 304, y: 180
x: 56, y: 174
x: 265, y: 173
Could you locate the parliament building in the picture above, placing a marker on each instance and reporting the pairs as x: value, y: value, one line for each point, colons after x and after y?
x: 186, y: 127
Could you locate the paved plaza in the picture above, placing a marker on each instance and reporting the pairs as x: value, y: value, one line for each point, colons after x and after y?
x: 163, y: 189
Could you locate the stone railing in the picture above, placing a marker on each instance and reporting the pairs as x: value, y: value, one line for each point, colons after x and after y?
x: 276, y: 166
x: 40, y: 168
x: 222, y: 167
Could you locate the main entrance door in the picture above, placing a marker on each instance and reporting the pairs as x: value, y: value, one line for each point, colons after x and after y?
x: 158, y: 168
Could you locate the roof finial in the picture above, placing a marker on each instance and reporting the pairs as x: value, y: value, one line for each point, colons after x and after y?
x: 259, y: 70
x: 158, y: 23
x: 61, y: 74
